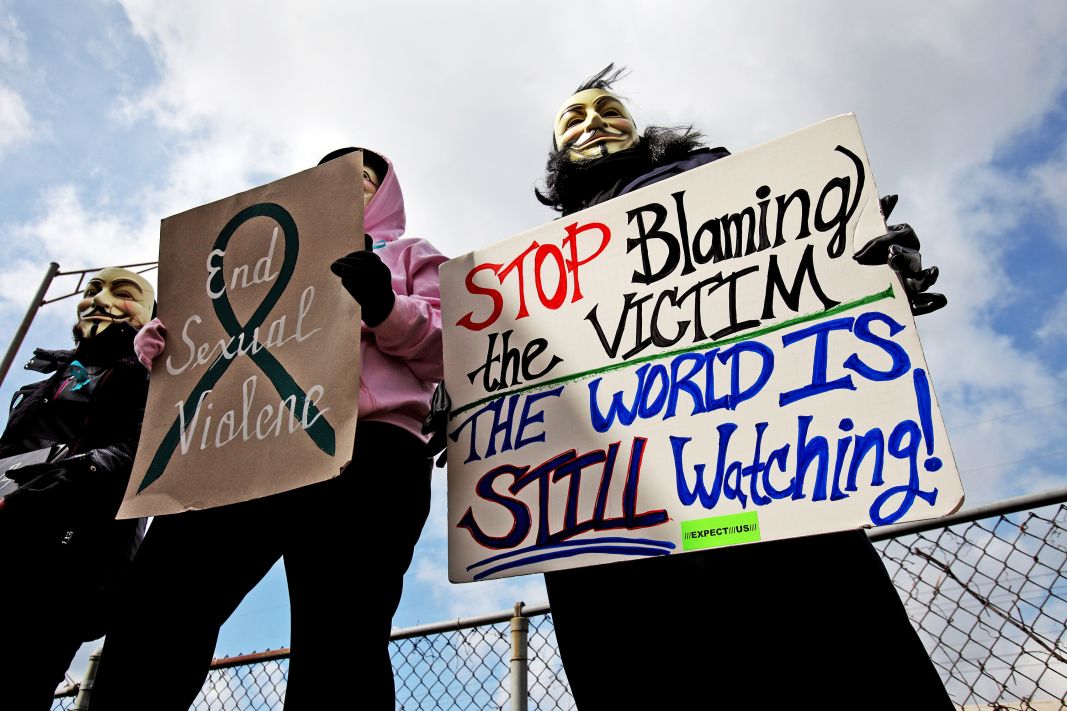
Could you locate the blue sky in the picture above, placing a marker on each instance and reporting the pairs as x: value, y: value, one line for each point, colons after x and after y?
x: 114, y: 115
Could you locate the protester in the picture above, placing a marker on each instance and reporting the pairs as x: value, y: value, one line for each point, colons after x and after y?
x: 808, y: 621
x: 195, y: 567
x: 68, y: 448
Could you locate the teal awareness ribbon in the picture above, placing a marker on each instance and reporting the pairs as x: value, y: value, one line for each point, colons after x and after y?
x: 320, y: 431
x: 79, y: 374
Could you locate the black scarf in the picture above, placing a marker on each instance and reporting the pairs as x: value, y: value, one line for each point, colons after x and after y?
x: 109, y: 346
x: 572, y: 185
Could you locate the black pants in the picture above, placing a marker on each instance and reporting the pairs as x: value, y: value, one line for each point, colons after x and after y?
x: 37, y: 643
x: 55, y: 595
x: 806, y: 622
x: 193, y: 569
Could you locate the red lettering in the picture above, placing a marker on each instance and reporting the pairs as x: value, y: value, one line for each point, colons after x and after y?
x: 573, y: 263
x: 542, y: 253
x: 517, y: 263
x: 560, y: 294
x: 498, y: 301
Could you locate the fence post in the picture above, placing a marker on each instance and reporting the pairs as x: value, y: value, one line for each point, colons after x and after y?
x: 20, y: 333
x: 519, y: 687
x: 81, y: 703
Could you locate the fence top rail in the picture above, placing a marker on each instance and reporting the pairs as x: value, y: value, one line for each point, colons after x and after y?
x: 253, y: 658
x: 462, y: 623
x: 94, y: 270
x: 459, y: 623
x: 998, y: 508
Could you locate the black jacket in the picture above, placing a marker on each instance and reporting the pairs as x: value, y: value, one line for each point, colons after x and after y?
x: 623, y: 173
x: 61, y: 521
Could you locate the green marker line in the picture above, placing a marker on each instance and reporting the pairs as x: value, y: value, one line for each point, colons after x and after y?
x: 704, y: 345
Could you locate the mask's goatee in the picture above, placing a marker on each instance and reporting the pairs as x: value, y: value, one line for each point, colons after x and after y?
x: 570, y: 184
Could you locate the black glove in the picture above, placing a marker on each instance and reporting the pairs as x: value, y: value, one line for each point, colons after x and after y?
x: 52, y: 494
x: 899, y: 248
x: 436, y: 423
x: 369, y: 282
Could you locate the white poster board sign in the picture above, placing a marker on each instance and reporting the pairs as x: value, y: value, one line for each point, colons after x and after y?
x: 698, y: 363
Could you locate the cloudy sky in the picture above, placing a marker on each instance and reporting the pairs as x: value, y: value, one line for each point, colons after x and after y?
x: 116, y: 114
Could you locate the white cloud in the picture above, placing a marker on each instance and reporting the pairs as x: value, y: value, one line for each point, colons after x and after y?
x: 12, y: 41
x: 1049, y: 181
x: 74, y: 235
x: 81, y: 234
x: 1055, y: 325
x: 16, y: 124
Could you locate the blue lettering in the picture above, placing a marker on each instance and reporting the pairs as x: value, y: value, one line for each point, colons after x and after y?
x: 900, y: 364
x: 904, y: 443
x: 503, y: 424
x: 819, y: 383
x: 807, y: 452
x: 812, y: 452
x: 527, y: 419
x: 657, y: 388
x: 572, y: 467
x: 616, y: 410
x: 657, y: 375
x: 502, y: 427
x: 737, y: 395
x: 520, y: 512
x: 685, y: 383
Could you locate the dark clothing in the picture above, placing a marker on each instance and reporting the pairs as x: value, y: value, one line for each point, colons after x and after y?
x: 195, y: 567
x: 778, y: 624
x: 629, y: 173
x: 63, y: 551
x: 198, y: 566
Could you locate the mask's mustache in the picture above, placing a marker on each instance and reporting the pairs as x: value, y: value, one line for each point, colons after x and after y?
x: 591, y: 134
x: 94, y: 310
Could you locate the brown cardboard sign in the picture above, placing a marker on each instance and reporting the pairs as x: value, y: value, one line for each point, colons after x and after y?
x: 257, y: 388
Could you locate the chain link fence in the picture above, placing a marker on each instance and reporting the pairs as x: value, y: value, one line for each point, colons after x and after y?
x: 986, y: 590
x: 988, y: 596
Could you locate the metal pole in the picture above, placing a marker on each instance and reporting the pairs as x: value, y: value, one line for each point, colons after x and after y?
x: 519, y: 688
x: 86, y: 689
x: 20, y: 334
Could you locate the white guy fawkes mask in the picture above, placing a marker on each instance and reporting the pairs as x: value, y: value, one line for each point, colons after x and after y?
x: 114, y: 296
x: 597, y: 123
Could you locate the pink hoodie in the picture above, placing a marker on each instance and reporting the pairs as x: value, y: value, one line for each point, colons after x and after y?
x: 401, y: 357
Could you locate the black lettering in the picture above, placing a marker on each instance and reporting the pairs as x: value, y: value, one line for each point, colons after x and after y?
x: 783, y: 206
x: 792, y: 296
x: 647, y: 276
x: 629, y: 303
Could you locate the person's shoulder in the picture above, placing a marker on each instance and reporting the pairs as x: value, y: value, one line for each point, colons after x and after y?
x: 415, y: 247
x: 702, y: 156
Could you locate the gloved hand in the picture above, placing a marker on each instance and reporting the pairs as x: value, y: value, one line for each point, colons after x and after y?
x: 149, y: 342
x: 51, y: 493
x: 369, y: 282
x: 436, y: 423
x: 899, y: 248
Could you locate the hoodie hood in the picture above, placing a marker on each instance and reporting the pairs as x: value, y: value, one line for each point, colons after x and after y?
x: 384, y: 218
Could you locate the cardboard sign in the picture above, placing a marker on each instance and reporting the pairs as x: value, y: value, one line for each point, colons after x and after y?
x: 257, y: 389
x: 699, y: 363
